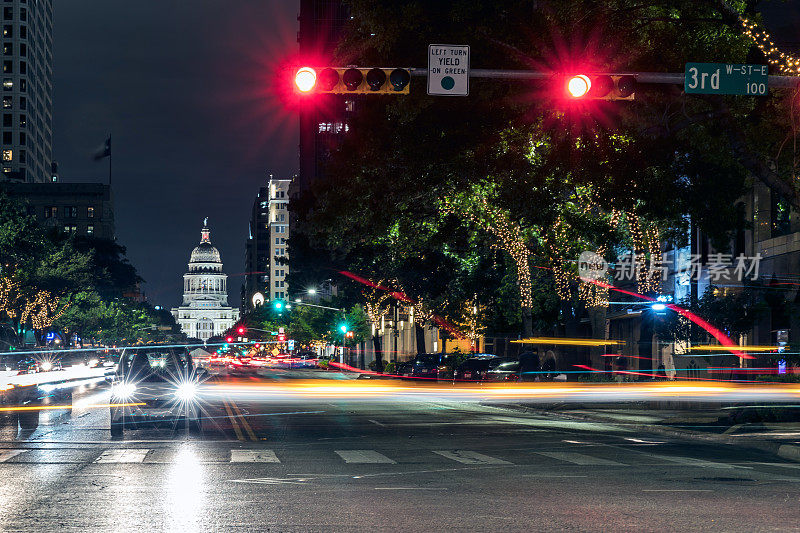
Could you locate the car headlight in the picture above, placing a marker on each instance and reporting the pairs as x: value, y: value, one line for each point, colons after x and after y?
x: 92, y: 363
x: 186, y: 391
x: 47, y: 366
x: 122, y: 390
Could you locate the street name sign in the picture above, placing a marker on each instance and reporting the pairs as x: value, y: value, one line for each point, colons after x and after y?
x: 448, y: 70
x: 725, y: 78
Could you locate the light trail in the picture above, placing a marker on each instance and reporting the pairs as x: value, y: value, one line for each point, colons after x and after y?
x: 61, y: 407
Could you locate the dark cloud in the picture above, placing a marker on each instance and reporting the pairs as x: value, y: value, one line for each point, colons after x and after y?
x: 181, y: 85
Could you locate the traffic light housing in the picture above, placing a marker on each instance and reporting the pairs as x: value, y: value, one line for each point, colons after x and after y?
x: 343, y: 328
x: 241, y: 330
x: 353, y: 80
x: 228, y: 339
x: 278, y: 305
x: 599, y: 87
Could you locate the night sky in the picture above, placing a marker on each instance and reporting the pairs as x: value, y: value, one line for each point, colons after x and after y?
x: 182, y: 87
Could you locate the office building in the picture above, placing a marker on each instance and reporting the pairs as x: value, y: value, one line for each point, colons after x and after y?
x: 27, y: 70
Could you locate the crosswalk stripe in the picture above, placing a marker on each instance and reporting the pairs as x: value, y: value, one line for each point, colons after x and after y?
x: 5, y: 455
x: 579, y: 458
x: 363, y: 456
x: 470, y: 458
x: 697, y: 462
x: 254, y: 456
x: 123, y: 455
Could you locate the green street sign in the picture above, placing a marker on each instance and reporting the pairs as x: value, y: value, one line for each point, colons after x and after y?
x: 725, y: 78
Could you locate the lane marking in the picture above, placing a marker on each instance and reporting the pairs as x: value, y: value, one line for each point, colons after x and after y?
x: 254, y: 456
x: 232, y: 418
x: 244, y: 422
x: 377, y: 423
x: 580, y: 459
x: 786, y: 465
x: 123, y: 455
x: 470, y: 458
x: 688, y: 461
x: 411, y: 488
x: 363, y: 456
x: 677, y: 490
x: 5, y: 455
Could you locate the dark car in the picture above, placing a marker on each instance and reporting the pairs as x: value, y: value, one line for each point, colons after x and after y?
x: 155, y: 383
x: 505, y: 371
x: 426, y: 365
x: 404, y: 368
x: 476, y: 368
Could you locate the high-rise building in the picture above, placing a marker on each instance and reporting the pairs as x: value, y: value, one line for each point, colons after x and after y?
x: 266, y: 250
x: 27, y: 70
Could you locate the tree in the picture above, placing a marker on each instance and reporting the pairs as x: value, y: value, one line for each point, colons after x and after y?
x: 562, y: 177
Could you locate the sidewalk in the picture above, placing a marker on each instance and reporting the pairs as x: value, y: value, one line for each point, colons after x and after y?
x: 774, y: 429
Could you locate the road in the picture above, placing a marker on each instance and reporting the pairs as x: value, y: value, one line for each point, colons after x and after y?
x: 379, y: 466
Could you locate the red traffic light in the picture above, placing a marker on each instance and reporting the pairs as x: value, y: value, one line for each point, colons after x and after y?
x: 241, y: 330
x: 305, y: 79
x: 578, y: 86
x: 228, y: 339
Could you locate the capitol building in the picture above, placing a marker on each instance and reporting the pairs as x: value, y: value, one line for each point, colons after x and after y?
x: 205, y: 311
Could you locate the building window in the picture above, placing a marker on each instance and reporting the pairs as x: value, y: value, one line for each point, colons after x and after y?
x: 71, y: 212
x: 23, y: 67
x: 277, y: 240
x: 7, y: 117
x: 8, y: 31
x: 8, y: 155
x: 90, y: 212
x: 8, y: 49
x: 70, y: 229
x: 23, y: 156
x: 23, y: 103
x: 23, y: 14
x: 50, y: 211
x: 23, y: 32
x: 349, y: 105
x: 8, y: 84
x: 7, y: 139
x: 90, y: 229
x: 8, y: 102
x: 8, y: 67
x: 8, y: 13
x: 22, y: 138
x: 23, y: 50
x: 23, y: 121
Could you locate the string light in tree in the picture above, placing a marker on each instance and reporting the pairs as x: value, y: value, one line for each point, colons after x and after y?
x: 785, y: 63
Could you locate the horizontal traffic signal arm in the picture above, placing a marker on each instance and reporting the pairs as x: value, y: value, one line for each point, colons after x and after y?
x: 348, y: 80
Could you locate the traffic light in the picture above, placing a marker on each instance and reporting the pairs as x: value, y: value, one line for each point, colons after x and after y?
x: 228, y: 339
x: 600, y: 87
x: 278, y: 305
x: 241, y: 330
x: 353, y: 80
x: 343, y: 328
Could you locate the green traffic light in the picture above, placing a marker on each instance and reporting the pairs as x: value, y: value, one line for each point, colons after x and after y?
x: 278, y: 305
x: 343, y: 328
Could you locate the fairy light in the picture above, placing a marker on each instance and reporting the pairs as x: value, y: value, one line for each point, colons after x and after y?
x: 785, y: 63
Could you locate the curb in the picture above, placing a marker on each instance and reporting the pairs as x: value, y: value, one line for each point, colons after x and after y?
x: 789, y: 452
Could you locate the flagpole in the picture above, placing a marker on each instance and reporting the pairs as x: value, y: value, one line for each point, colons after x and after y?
x: 109, y: 159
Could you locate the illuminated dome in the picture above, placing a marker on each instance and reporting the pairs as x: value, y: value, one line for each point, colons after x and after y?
x: 205, y: 253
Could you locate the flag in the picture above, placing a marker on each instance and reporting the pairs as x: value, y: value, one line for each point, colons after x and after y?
x: 104, y: 151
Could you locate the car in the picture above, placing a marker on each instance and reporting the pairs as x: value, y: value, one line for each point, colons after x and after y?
x: 155, y: 384
x: 404, y: 368
x: 243, y: 365
x: 305, y: 360
x: 505, y: 371
x: 476, y: 368
x: 426, y: 365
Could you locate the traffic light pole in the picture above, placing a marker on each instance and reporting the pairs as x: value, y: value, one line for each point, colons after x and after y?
x: 668, y: 78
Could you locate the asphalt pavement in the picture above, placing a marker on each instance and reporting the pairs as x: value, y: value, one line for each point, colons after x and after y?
x: 376, y: 466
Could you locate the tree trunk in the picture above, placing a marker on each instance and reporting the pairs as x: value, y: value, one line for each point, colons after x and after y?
x: 420, y: 331
x: 376, y: 346
x: 527, y: 322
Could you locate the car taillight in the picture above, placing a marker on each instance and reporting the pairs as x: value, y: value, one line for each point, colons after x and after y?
x: 512, y: 377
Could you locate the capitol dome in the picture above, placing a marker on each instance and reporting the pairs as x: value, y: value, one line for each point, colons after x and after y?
x: 205, y: 253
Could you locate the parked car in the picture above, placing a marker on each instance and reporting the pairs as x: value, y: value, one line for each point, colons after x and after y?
x: 476, y: 368
x: 426, y: 365
x: 155, y: 383
x: 404, y: 368
x: 505, y: 371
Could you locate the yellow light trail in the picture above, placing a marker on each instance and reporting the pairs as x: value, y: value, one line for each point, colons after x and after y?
x: 718, y: 348
x: 56, y: 407
x: 569, y: 342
